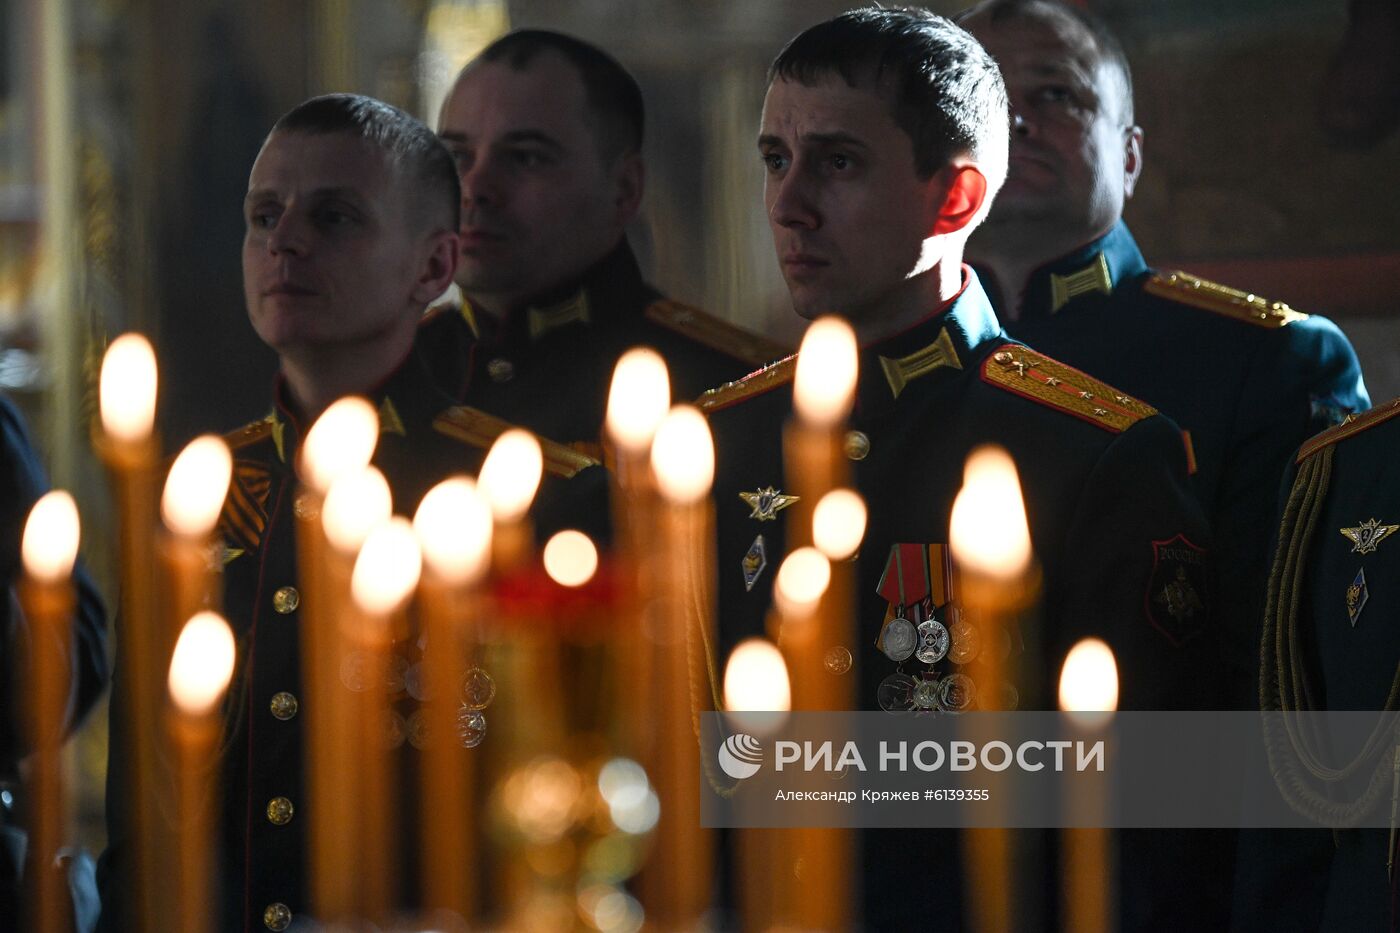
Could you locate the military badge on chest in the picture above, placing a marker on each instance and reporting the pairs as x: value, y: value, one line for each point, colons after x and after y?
x: 1365, y: 538
x: 930, y: 639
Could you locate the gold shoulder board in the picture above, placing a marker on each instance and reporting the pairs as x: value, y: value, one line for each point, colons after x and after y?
x: 1354, y: 424
x: 476, y: 428
x: 716, y: 333
x: 1036, y: 376
x: 1221, y: 299
x: 269, y: 426
x: 755, y: 383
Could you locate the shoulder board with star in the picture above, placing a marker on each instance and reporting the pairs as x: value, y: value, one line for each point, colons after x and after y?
x: 755, y: 383
x: 1187, y: 289
x: 1035, y: 376
x: 477, y: 429
x: 714, y: 332
x: 1354, y: 424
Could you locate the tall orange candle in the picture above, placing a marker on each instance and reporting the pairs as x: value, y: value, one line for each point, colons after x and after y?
x: 127, y: 443
x: 48, y: 550
x: 385, y: 574
x: 340, y: 443
x: 1089, y: 693
x: 200, y: 670
x: 509, y: 478
x: 997, y: 579
x: 453, y: 525
x: 676, y: 883
x: 194, y: 494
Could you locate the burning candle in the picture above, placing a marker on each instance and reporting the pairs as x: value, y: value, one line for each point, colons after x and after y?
x: 1089, y: 692
x: 340, y: 443
x: 676, y: 882
x: 453, y: 525
x: 48, y: 551
x: 823, y: 394
x: 194, y: 495
x: 991, y: 544
x: 200, y: 670
x: 638, y: 401
x: 385, y: 574
x: 127, y: 443
x: 509, y: 478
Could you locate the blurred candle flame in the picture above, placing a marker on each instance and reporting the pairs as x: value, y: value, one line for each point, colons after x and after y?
x: 202, y: 664
x: 987, y: 529
x: 453, y: 524
x: 356, y: 504
x: 1089, y: 678
x: 838, y: 524
x: 638, y: 399
x: 511, y: 474
x: 196, y: 487
x: 127, y: 389
x: 801, y: 581
x: 683, y: 456
x: 825, y: 383
x: 341, y: 441
x: 570, y: 558
x: 50, y: 544
x: 387, y: 568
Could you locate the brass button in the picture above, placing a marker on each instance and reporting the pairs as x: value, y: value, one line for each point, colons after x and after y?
x: 500, y: 370
x: 277, y: 917
x: 284, y: 706
x: 304, y: 507
x: 286, y: 599
x: 279, y: 811
x: 1003, y: 357
x: 856, y: 445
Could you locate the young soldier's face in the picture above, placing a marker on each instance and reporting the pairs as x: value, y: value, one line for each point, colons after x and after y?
x: 540, y: 202
x: 848, y: 211
x: 330, y: 254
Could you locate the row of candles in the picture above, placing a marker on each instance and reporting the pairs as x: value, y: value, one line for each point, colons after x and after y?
x: 361, y: 567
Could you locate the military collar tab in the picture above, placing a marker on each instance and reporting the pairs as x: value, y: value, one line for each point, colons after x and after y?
x: 1095, y: 268
x: 900, y: 372
x: 1094, y: 277
x: 544, y: 320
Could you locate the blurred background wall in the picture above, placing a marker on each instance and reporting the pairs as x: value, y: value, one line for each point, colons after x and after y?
x: 127, y: 129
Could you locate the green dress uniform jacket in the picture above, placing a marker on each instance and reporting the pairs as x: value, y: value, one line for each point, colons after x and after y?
x: 549, y: 368
x: 263, y: 871
x: 1113, y: 521
x: 1330, y: 622
x: 1248, y: 380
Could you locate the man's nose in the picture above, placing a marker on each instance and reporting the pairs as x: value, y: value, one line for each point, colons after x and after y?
x: 480, y: 183
x: 288, y: 235
x: 793, y: 202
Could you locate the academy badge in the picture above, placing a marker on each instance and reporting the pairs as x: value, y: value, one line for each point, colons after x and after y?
x: 1176, y: 591
x: 1368, y: 535
x: 1356, y: 597
x: 755, y: 559
x: 766, y: 503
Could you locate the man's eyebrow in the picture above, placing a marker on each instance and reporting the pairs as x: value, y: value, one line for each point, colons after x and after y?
x: 820, y: 139
x: 539, y: 137
x: 334, y: 191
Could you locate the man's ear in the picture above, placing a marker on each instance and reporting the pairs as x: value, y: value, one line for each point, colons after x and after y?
x: 438, y: 267
x: 1132, y: 159
x: 630, y: 177
x: 966, y: 192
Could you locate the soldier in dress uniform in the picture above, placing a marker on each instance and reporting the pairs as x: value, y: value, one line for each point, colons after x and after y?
x: 22, y: 482
x: 1330, y: 643
x: 884, y: 138
x: 1248, y: 379
x: 546, y: 131
x: 352, y: 229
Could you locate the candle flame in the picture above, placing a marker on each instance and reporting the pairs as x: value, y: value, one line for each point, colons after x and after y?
x: 50, y: 544
x: 987, y: 529
x: 202, y: 664
x: 341, y: 441
x: 683, y: 456
x: 825, y: 383
x: 802, y: 579
x: 127, y: 389
x: 196, y: 487
x: 356, y: 504
x: 757, y: 692
x: 453, y: 524
x: 638, y: 399
x: 838, y: 524
x: 388, y: 567
x: 570, y: 558
x: 510, y: 476
x: 1089, y: 678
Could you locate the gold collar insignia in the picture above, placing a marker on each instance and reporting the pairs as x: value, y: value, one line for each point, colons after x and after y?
x: 900, y: 372
x: 543, y: 320
x: 1092, y: 278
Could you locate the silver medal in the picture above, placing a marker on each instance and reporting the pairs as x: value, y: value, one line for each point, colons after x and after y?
x: 896, y: 693
x: 899, y: 639
x: 933, y: 641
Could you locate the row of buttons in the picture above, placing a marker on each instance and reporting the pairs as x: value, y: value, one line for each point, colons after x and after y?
x: 278, y: 916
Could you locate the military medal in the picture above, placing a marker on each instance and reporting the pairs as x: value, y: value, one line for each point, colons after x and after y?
x: 395, y: 730
x: 837, y: 660
x: 416, y: 683
x: 967, y: 642
x: 896, y: 693
x: 957, y: 694
x: 899, y: 639
x: 766, y: 503
x: 478, y: 689
x: 1367, y: 536
x: 928, y: 693
x: 933, y: 641
x: 471, y: 727
x: 1356, y: 597
x: 354, y: 671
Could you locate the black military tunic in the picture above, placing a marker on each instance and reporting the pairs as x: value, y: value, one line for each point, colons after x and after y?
x: 549, y: 368
x: 1248, y: 380
x: 1112, y: 518
x: 423, y: 439
x: 1335, y: 586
